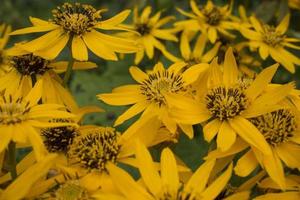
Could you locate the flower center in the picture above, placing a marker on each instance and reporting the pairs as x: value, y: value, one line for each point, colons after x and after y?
x: 71, y: 190
x: 276, y: 126
x: 96, y: 148
x: 143, y: 29
x: 213, y: 16
x: 159, y: 83
x: 30, y: 65
x: 13, y: 112
x: 271, y: 36
x: 59, y: 139
x: 76, y: 19
x: 225, y: 103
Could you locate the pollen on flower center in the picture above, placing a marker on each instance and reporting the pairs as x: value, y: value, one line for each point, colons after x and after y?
x: 13, y: 112
x: 76, y: 19
x: 96, y: 148
x: 271, y: 36
x: 225, y: 103
x: 30, y: 65
x: 58, y: 139
x: 276, y: 126
x: 143, y: 29
x: 159, y: 83
x: 212, y: 16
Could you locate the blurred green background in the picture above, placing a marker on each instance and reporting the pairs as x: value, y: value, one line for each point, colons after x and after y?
x: 86, y: 84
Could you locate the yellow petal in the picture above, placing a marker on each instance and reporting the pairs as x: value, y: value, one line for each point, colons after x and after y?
x: 20, y: 187
x: 169, y: 172
x: 198, y: 181
x: 226, y: 137
x: 54, y: 48
x: 289, y: 154
x: 230, y: 74
x: 79, y: 50
x: 256, y: 24
x: 283, y: 195
x: 212, y: 34
x: 250, y: 134
x: 117, y: 19
x: 273, y: 166
x: 35, y: 29
x: 214, y: 189
x: 284, y: 24
x: 126, y: 184
x: 98, y: 48
x: 120, y: 98
x: 246, y: 164
x: 148, y: 170
x: 43, y: 41
x: 261, y: 81
x: 131, y: 112
x: 138, y: 74
x: 211, y: 129
x: 185, y: 47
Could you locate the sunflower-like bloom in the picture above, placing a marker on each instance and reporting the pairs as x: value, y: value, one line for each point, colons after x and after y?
x: 292, y: 191
x: 20, y: 187
x: 21, y: 118
x: 77, y: 23
x: 198, y: 54
x: 211, y: 20
x: 227, y: 104
x: 281, y: 130
x: 166, y: 184
x: 150, y: 33
x: 271, y: 41
x: 94, y: 147
x: 149, y: 95
x: 4, y: 37
x: 26, y: 68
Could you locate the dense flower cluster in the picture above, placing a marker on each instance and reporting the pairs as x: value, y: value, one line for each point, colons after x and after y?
x: 216, y: 85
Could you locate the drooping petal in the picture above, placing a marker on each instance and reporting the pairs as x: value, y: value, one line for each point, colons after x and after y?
x: 247, y: 131
x: 79, y: 50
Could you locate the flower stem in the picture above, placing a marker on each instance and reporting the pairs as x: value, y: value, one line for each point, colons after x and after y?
x: 12, y: 160
x: 68, y: 72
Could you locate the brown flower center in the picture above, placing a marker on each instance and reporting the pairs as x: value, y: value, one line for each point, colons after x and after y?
x: 77, y: 18
x: 276, y: 126
x: 271, y: 36
x: 225, y: 103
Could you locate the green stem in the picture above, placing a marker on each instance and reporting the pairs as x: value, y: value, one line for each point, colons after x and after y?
x: 12, y: 160
x: 68, y: 72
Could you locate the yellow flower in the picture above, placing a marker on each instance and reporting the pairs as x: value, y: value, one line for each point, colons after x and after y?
x: 27, y: 68
x: 166, y: 183
x: 228, y: 103
x: 149, y: 95
x: 94, y: 147
x: 22, y: 117
x: 20, y: 187
x: 198, y: 55
x: 150, y: 33
x: 280, y: 128
x: 210, y: 20
x: 272, y: 41
x: 4, y: 37
x: 77, y: 23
